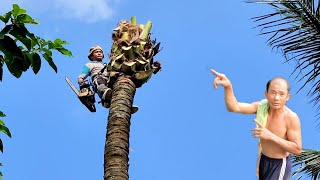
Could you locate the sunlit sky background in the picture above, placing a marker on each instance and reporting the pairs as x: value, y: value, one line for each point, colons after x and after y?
x: 182, y: 130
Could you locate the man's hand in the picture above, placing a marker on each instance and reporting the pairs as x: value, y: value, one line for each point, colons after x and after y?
x: 84, y: 85
x: 220, y: 79
x: 261, y: 132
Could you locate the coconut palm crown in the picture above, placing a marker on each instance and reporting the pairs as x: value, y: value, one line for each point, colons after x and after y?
x: 132, y: 52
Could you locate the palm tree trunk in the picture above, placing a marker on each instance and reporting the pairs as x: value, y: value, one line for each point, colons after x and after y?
x: 116, y: 154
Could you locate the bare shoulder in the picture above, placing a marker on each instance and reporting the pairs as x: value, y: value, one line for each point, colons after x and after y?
x: 292, y: 117
x: 256, y: 104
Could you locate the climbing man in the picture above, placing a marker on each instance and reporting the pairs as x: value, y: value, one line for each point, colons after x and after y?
x: 97, y: 70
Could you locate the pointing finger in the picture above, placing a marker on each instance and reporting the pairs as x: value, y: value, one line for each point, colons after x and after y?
x: 215, y: 72
x: 258, y: 123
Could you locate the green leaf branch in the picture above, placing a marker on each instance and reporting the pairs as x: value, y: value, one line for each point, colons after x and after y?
x: 20, y: 49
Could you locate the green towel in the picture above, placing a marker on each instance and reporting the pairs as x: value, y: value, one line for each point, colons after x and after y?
x: 262, y: 117
x: 262, y: 112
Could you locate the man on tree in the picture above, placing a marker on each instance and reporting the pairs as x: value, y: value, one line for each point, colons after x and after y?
x: 99, y: 78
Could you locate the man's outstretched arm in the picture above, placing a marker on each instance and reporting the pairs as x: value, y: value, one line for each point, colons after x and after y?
x: 231, y: 101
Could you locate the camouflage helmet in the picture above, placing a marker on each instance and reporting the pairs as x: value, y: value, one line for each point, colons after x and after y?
x: 92, y: 49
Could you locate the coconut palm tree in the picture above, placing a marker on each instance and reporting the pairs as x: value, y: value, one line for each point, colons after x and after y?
x: 294, y: 28
x: 131, y: 65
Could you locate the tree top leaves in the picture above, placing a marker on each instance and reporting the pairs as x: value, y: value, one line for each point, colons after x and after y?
x: 20, y: 49
x: 2, y: 114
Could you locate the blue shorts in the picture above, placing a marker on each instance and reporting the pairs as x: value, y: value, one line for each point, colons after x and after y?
x: 274, y: 169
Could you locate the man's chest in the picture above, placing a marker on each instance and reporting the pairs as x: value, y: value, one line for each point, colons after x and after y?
x: 277, y: 126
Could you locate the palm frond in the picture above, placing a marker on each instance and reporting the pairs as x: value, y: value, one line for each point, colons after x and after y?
x: 294, y: 28
x: 309, y: 162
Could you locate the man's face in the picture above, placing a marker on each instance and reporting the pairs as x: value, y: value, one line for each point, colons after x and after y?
x: 277, y: 93
x: 97, y: 55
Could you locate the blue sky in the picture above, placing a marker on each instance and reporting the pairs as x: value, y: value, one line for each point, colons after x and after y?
x: 182, y: 130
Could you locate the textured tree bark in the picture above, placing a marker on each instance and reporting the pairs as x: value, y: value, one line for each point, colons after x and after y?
x: 116, y: 154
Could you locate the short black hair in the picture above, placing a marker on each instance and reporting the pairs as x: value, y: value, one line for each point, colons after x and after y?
x: 269, y: 82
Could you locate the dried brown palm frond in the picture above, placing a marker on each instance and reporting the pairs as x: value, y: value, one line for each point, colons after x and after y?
x: 133, y: 51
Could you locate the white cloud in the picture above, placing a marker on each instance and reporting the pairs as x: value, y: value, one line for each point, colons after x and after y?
x: 80, y: 10
x: 84, y: 10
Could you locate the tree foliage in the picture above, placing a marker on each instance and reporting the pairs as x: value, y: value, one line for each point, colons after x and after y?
x: 308, y: 162
x: 294, y: 28
x: 21, y: 49
x: 5, y: 130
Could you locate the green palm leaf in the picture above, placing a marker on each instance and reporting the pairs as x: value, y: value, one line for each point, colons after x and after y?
x: 294, y: 28
x: 309, y: 162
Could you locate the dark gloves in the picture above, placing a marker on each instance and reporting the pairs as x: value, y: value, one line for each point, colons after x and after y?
x: 84, y: 85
